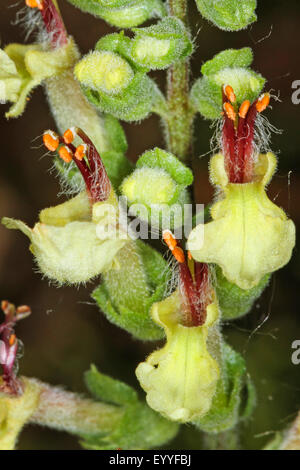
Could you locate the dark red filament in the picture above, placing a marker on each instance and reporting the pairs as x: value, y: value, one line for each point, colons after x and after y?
x: 93, y: 171
x: 196, y: 291
x: 54, y: 24
x: 238, y: 144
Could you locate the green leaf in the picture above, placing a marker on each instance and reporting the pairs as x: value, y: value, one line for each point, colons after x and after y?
x: 107, y: 389
x: 235, y: 302
x: 139, y: 426
x: 231, y: 15
x: 228, y: 58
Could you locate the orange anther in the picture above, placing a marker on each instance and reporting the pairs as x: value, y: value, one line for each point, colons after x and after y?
x: 34, y: 4
x: 169, y: 239
x: 12, y: 340
x: 65, y: 154
x: 51, y: 140
x: 189, y: 255
x: 4, y: 305
x: 244, y: 108
x: 229, y: 110
x: 262, y: 102
x: 69, y: 136
x: 178, y: 254
x: 23, y: 309
x: 229, y: 93
x: 81, y: 151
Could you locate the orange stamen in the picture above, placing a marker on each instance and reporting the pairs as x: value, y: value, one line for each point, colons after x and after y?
x: 12, y: 340
x: 4, y: 305
x: 65, y: 154
x: 178, y: 254
x: 262, y: 102
x: 169, y: 239
x: 229, y: 93
x: 51, y: 140
x: 69, y: 136
x: 229, y: 110
x: 34, y: 4
x: 80, y: 151
x: 244, y: 108
x: 189, y: 255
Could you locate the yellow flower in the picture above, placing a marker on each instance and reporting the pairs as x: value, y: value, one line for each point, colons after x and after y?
x: 180, y: 379
x: 23, y: 67
x: 15, y: 411
x: 249, y: 235
x: 73, y: 242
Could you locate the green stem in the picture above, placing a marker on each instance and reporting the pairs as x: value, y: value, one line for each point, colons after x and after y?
x: 227, y: 440
x: 180, y: 115
x: 69, y: 412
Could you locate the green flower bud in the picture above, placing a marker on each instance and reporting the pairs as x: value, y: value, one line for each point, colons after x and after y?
x: 66, y: 242
x: 156, y: 189
x: 180, y: 379
x: 24, y: 67
x: 104, y: 71
x: 15, y: 411
x: 122, y: 13
x: 235, y: 302
x: 230, y: 15
x: 128, y: 290
x: 249, y: 236
x: 228, y: 406
x: 139, y: 427
x: 162, y: 44
x: 228, y: 67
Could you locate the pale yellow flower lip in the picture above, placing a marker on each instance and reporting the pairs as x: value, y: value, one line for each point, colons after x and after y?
x: 249, y: 235
x: 180, y: 379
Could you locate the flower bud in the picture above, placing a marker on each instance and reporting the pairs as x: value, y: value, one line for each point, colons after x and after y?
x: 249, y: 236
x: 104, y: 71
x: 158, y: 46
x: 230, y: 15
x: 180, y: 379
x: 156, y: 186
x: 15, y: 411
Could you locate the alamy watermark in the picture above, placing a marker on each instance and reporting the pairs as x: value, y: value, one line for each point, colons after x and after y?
x: 295, y: 358
x: 140, y: 221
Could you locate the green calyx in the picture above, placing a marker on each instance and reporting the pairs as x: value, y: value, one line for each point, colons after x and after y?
x: 160, y: 45
x: 231, y: 15
x: 139, y: 427
x: 235, y: 396
x: 235, y: 302
x: 139, y: 279
x: 230, y: 67
x: 122, y: 13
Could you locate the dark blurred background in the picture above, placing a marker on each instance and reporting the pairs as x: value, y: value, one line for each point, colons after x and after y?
x: 66, y: 332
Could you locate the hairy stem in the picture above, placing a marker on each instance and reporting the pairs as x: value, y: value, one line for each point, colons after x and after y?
x: 69, y: 412
x: 227, y: 440
x: 180, y: 115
